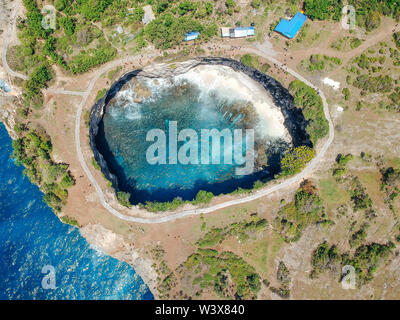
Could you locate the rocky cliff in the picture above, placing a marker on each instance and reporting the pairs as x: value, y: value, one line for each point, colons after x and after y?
x: 294, y: 119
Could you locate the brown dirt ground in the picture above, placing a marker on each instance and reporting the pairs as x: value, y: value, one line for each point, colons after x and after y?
x: 356, y: 132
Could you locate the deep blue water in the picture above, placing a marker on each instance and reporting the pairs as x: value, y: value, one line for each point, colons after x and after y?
x: 31, y: 237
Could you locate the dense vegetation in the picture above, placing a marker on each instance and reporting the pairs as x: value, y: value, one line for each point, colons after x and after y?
x: 311, y: 104
x: 374, y: 84
x: 325, y: 258
x: 368, y: 12
x: 167, y: 31
x: 346, y: 42
x: 396, y: 39
x: 86, y: 59
x: 359, y: 236
x: 390, y: 184
x: 359, y: 196
x: 366, y: 260
x: 241, y: 230
x: 78, y: 42
x: 323, y: 9
x: 202, y: 197
x: 306, y: 209
x: 211, y: 270
x: 374, y: 72
x: 358, y: 193
x: 33, y: 151
x: 296, y: 160
x: 228, y: 275
x: 254, y: 62
x: 340, y: 169
x: 123, y: 199
x: 32, y: 88
x: 319, y: 62
x: 70, y: 221
x: 283, y: 277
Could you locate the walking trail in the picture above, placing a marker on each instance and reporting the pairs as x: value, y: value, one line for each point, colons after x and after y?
x: 165, y: 217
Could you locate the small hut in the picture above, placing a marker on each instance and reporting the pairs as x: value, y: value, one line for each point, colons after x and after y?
x: 191, y: 35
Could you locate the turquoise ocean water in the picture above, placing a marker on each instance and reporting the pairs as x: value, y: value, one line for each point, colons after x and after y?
x: 122, y: 141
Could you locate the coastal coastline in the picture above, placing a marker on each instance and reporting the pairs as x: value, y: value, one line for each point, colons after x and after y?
x: 361, y: 126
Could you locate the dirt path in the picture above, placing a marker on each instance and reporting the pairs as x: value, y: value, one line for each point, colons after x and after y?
x: 346, y: 56
x: 105, y: 36
x: 8, y: 38
x: 257, y: 194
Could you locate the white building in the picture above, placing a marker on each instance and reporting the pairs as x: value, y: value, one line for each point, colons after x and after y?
x: 120, y: 30
x: 148, y: 15
x: 237, y: 32
x: 225, y: 32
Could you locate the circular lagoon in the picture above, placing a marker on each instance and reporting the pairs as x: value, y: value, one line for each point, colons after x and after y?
x: 173, y: 130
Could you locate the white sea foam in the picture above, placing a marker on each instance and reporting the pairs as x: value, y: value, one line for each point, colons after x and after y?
x: 233, y: 86
x: 212, y: 81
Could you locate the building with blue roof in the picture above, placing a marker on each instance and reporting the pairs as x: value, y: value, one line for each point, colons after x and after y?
x: 290, y: 28
x: 191, y: 35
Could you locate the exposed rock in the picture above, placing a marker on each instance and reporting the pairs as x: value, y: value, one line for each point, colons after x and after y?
x: 114, y: 245
x: 8, y: 114
x: 294, y: 118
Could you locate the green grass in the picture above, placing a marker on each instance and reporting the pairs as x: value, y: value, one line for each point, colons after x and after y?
x: 331, y: 193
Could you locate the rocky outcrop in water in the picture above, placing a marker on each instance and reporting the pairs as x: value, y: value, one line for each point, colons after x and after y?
x: 294, y: 118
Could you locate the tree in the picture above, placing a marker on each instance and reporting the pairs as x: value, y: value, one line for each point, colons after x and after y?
x: 346, y: 93
x: 256, y: 4
x: 67, y: 180
x: 296, y: 159
x: 166, y: 31
x: 203, y: 197
x: 93, y: 9
x: 311, y: 105
x: 372, y: 20
x: 323, y: 9
x: 209, y: 8
x: 68, y: 25
x: 186, y: 6
x: 162, y: 6
x: 123, y: 198
x: 37, y: 81
x: 60, y: 5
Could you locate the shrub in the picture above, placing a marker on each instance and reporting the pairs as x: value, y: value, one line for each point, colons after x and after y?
x: 311, y: 104
x: 123, y: 198
x: 324, y: 258
x: 70, y: 221
x: 296, y: 159
x: 346, y: 93
x: 203, y: 197
x: 67, y: 180
x: 306, y: 209
x: 374, y: 84
x: 87, y: 59
x: 323, y: 9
